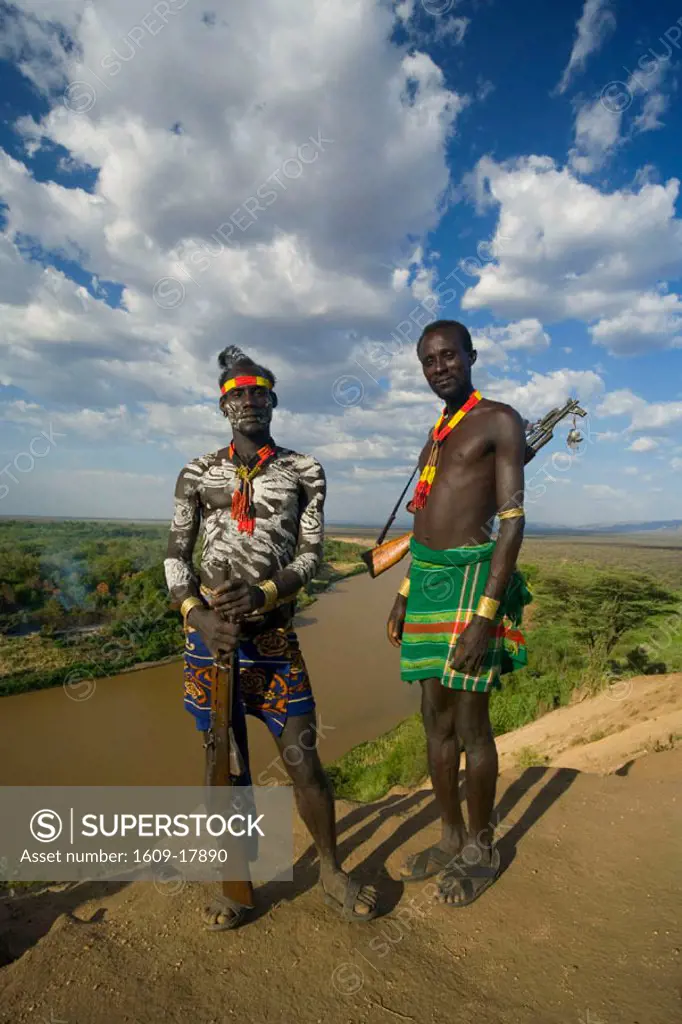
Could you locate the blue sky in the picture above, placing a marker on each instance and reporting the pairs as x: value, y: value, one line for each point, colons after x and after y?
x: 314, y: 182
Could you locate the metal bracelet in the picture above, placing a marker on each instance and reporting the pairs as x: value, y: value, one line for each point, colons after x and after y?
x: 187, y: 605
x: 270, y: 593
x: 487, y: 607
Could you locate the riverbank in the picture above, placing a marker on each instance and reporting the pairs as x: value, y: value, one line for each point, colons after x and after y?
x: 131, y: 729
x: 148, y: 635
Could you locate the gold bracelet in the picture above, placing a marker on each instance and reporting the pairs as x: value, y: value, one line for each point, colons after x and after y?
x: 271, y: 595
x: 512, y: 513
x: 487, y: 607
x: 404, y: 588
x: 187, y: 605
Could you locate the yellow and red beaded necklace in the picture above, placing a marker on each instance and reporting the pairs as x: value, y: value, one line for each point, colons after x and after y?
x: 441, y: 430
x: 242, y: 499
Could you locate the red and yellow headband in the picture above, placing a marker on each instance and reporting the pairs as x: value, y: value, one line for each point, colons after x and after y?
x: 245, y: 382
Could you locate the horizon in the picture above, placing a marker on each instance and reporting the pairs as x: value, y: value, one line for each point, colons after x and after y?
x: 650, y: 525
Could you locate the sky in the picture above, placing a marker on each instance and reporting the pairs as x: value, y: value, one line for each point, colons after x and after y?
x: 316, y: 181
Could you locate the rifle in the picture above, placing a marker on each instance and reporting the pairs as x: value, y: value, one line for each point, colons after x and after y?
x: 224, y: 763
x: 386, y: 554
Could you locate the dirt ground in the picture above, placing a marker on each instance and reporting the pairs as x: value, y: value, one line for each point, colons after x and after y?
x: 582, y: 927
x: 631, y: 718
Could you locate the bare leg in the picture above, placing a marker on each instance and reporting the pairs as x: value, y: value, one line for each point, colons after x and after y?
x: 439, y: 715
x: 315, y: 802
x: 478, y: 863
x: 439, y: 712
x: 476, y: 736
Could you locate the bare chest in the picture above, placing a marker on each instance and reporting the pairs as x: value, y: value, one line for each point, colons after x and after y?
x: 463, y: 453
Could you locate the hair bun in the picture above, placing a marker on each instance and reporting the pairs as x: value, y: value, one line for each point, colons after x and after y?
x: 232, y: 355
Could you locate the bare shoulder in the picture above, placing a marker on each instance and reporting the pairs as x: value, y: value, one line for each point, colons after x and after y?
x: 503, y: 419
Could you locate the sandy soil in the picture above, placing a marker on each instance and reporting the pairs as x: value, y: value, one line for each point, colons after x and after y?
x: 583, y: 926
x: 630, y: 718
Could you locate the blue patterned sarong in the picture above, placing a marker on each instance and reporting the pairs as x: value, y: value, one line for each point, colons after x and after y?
x: 273, y: 681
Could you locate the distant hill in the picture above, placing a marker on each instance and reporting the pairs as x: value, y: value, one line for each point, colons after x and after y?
x: 647, y: 526
x: 667, y: 526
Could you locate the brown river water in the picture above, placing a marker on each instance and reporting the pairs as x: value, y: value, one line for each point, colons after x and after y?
x: 134, y: 731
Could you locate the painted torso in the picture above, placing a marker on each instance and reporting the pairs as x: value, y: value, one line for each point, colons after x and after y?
x: 288, y: 497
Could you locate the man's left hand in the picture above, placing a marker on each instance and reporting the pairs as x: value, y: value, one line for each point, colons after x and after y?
x: 235, y: 598
x: 472, y: 647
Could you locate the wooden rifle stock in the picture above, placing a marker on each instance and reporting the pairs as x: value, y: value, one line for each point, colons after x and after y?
x: 224, y: 764
x: 386, y: 555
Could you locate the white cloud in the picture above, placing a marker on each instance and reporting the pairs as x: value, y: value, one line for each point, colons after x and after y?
x: 522, y: 335
x: 604, y: 492
x: 566, y: 249
x: 631, y: 471
x: 654, y: 321
x: 643, y: 444
x: 230, y: 203
x: 676, y: 463
x: 654, y: 105
x: 597, y: 132
x: 604, y: 124
x: 543, y: 392
x: 493, y: 344
x: 645, y: 417
x: 594, y: 26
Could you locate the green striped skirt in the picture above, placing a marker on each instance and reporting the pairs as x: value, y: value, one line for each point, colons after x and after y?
x: 445, y: 587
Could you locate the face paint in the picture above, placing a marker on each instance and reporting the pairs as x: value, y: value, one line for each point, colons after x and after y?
x: 248, y: 416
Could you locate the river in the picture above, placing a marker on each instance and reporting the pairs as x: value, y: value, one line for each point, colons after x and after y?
x: 133, y: 730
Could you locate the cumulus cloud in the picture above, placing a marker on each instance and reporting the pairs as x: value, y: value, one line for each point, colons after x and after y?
x: 543, y: 392
x: 263, y: 195
x: 645, y: 417
x: 520, y: 336
x: 643, y: 444
x: 595, y: 24
x: 654, y: 321
x: 566, y: 249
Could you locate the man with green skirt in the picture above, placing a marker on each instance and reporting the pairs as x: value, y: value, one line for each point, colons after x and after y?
x: 457, y: 614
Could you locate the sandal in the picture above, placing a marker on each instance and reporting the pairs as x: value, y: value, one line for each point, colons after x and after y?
x: 419, y: 864
x: 224, y: 906
x: 471, y: 880
x: 355, y: 892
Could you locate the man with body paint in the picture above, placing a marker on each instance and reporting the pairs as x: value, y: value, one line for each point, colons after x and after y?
x: 262, y: 508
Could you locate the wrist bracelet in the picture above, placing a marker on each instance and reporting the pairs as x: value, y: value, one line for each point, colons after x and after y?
x: 487, y: 607
x: 270, y: 593
x: 404, y: 588
x: 187, y: 605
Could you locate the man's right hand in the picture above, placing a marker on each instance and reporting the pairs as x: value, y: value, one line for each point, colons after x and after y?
x: 218, y: 635
x: 396, y: 620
